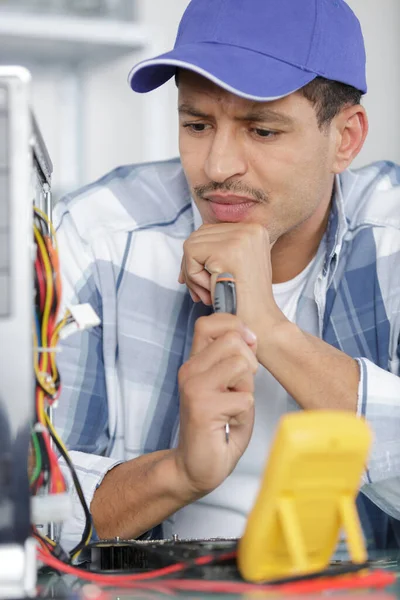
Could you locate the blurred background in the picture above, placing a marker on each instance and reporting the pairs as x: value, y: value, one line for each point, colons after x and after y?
x: 81, y: 51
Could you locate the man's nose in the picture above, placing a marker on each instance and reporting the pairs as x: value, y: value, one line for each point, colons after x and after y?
x: 226, y: 158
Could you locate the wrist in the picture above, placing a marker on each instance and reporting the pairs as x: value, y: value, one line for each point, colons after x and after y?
x: 179, y: 485
x: 275, y: 335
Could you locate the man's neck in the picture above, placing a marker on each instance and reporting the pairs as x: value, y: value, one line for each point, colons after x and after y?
x: 293, y: 251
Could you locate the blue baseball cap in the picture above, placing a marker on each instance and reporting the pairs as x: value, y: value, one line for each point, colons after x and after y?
x: 262, y: 49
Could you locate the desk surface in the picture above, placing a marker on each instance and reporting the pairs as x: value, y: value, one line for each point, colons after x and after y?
x: 52, y: 585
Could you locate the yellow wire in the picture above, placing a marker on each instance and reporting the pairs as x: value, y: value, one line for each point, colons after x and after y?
x: 49, y: 296
x: 49, y: 224
x: 49, y: 290
x: 54, y: 433
x: 58, y: 328
x: 39, y: 376
x: 54, y: 342
x: 87, y: 540
x: 49, y: 540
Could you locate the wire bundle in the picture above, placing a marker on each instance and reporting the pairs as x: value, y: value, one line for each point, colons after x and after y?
x: 45, y: 337
x: 46, y: 472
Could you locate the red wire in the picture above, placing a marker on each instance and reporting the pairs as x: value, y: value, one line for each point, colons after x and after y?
x: 56, y: 476
x: 55, y: 265
x: 38, y: 483
x: 105, y: 579
x: 40, y: 278
x: 377, y: 579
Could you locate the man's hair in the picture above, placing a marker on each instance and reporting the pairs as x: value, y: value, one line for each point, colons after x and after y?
x: 329, y: 98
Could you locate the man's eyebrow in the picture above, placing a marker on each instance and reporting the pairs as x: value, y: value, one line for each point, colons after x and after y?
x: 256, y: 115
x: 191, y: 111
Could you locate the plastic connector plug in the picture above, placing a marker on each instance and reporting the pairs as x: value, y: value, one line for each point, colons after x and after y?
x: 52, y: 508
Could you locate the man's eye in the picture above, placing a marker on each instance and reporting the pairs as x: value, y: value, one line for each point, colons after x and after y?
x: 264, y: 133
x: 196, y: 127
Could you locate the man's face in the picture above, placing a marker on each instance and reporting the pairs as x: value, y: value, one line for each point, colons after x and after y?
x: 257, y: 162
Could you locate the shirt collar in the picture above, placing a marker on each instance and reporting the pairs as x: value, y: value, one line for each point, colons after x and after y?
x: 337, y: 226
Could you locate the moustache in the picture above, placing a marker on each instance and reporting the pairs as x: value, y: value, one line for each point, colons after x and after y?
x: 236, y: 187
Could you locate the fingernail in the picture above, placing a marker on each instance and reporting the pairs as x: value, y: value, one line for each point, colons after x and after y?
x: 191, y: 295
x: 249, y: 337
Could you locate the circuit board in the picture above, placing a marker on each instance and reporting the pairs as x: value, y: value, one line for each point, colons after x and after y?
x: 113, y: 556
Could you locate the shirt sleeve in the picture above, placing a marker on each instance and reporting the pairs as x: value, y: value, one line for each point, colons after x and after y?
x: 379, y: 404
x: 81, y: 417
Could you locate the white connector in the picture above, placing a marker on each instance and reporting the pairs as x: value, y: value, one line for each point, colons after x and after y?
x: 84, y: 317
x: 50, y: 508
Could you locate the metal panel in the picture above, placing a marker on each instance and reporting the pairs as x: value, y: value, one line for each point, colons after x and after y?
x: 16, y: 299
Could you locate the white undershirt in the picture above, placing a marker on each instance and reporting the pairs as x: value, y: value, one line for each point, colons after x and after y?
x: 223, y: 513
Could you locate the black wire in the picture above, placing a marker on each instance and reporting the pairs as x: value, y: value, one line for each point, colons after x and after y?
x: 43, y: 452
x: 88, y: 517
x: 45, y: 470
x: 41, y: 223
x: 37, y: 294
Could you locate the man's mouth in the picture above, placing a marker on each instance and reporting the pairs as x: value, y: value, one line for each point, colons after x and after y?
x: 230, y: 208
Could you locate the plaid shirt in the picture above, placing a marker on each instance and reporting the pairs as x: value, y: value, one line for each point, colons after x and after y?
x: 121, y: 243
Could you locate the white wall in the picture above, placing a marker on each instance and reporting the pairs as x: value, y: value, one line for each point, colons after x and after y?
x: 139, y: 127
x: 116, y: 125
x: 119, y: 126
x: 380, y: 20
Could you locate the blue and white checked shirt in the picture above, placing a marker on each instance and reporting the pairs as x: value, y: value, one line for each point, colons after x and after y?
x: 120, y: 245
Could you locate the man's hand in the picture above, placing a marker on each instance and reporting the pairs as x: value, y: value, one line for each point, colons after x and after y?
x: 244, y: 250
x: 216, y: 387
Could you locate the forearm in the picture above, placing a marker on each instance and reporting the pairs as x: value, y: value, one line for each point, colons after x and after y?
x: 137, y: 495
x: 316, y: 374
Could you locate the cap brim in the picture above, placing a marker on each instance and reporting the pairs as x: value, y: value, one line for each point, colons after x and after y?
x: 240, y: 71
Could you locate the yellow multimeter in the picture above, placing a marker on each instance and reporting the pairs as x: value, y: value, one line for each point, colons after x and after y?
x: 307, y: 497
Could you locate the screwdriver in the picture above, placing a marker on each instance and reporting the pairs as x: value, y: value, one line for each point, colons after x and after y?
x: 225, y: 301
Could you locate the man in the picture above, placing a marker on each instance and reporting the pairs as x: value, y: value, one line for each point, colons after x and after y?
x: 270, y: 121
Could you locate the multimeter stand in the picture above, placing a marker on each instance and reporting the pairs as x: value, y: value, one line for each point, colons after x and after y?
x: 295, y: 543
x: 307, y: 497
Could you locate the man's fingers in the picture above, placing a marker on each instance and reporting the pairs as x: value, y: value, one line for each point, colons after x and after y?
x: 196, y: 291
x: 236, y: 406
x: 231, y: 344
x: 198, y: 275
x: 195, y: 297
x: 208, y: 329
x: 231, y: 371
x: 193, y: 269
x: 221, y: 377
x: 199, y: 284
x: 195, y: 274
x: 246, y: 384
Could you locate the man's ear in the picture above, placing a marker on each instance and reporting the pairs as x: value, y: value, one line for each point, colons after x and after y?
x: 350, y: 128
